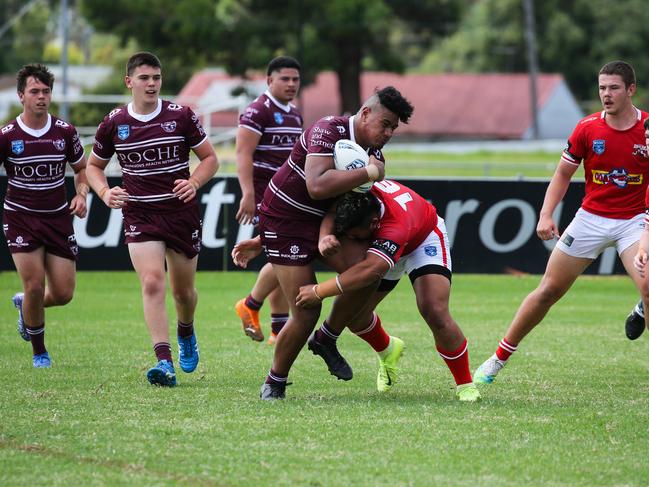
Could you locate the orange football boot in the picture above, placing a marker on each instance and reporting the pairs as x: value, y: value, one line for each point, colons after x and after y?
x: 249, y: 321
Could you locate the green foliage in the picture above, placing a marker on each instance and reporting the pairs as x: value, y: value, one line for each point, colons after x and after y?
x: 25, y: 41
x: 571, y: 407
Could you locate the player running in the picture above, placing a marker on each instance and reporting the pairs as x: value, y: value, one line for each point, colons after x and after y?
x: 406, y: 236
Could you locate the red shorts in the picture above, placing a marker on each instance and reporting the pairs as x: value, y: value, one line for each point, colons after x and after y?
x: 179, y: 230
x: 26, y: 232
x: 288, y: 242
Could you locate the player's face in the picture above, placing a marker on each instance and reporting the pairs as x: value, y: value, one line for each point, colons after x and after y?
x: 615, y: 96
x: 145, y: 83
x: 284, y: 84
x: 36, y: 98
x: 378, y: 126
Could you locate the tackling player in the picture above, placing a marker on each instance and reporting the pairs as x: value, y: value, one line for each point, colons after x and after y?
x: 152, y: 139
x: 37, y: 220
x: 406, y: 236
x: 611, y: 145
x: 268, y: 129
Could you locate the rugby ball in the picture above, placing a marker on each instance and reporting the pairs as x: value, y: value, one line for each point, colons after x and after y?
x: 349, y: 155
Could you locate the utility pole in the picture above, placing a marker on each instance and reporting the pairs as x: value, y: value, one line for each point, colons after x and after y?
x: 532, y: 62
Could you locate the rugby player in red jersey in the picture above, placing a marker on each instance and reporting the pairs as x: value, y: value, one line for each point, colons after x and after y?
x: 296, y: 201
x: 37, y: 219
x: 405, y: 235
x: 152, y: 139
x: 268, y: 129
x: 611, y: 145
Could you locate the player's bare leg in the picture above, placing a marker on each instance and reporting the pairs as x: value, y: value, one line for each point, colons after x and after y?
x: 31, y: 269
x: 561, y: 272
x: 61, y: 280
x: 182, y: 275
x: 637, y: 320
x: 279, y: 312
x: 296, y: 331
x: 148, y: 260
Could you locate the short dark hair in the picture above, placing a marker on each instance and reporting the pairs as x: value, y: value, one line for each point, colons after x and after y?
x: 38, y: 71
x: 142, y: 59
x: 355, y: 210
x: 394, y: 101
x: 646, y: 123
x: 621, y: 68
x: 281, y: 62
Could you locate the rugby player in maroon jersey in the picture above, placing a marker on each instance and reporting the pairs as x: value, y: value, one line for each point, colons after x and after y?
x: 297, y: 199
x: 37, y: 219
x: 152, y: 139
x: 406, y: 236
x: 268, y: 129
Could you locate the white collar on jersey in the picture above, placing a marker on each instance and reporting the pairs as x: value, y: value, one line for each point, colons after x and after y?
x: 286, y: 108
x: 148, y: 116
x: 352, y: 136
x: 32, y: 132
x: 638, y: 114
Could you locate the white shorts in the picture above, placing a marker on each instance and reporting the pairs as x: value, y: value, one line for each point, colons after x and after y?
x: 433, y: 251
x: 588, y: 235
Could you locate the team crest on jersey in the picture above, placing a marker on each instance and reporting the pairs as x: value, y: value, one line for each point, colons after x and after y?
x: 17, y: 146
x: 430, y: 250
x: 59, y: 144
x: 599, y: 146
x: 169, y: 126
x: 7, y: 128
x: 278, y: 118
x: 123, y: 131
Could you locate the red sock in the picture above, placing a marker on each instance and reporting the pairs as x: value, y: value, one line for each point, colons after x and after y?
x: 375, y: 335
x: 505, y: 349
x: 458, y: 362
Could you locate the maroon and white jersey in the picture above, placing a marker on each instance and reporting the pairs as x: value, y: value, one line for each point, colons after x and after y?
x: 278, y: 125
x: 35, y: 163
x: 153, y: 151
x: 287, y: 196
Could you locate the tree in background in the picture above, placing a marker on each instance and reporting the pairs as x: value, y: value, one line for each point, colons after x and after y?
x: 24, y: 42
x: 341, y: 35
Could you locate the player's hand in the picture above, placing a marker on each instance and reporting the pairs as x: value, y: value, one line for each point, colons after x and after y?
x: 380, y: 165
x: 328, y: 245
x: 185, y: 189
x: 78, y: 206
x: 306, y: 298
x: 640, y: 261
x: 115, y: 197
x: 546, y: 229
x: 246, y: 209
x: 245, y: 251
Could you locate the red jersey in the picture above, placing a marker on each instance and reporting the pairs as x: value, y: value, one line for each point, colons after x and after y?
x: 153, y: 151
x: 35, y: 163
x: 406, y: 220
x: 616, y: 165
x: 278, y: 125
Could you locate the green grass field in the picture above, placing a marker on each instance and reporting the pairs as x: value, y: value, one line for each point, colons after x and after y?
x: 571, y: 408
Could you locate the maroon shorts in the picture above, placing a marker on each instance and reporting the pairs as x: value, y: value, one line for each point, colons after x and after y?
x: 26, y: 232
x: 288, y: 242
x: 179, y: 230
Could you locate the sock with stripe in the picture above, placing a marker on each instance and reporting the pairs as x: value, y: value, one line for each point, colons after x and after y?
x: 277, y: 322
x: 37, y: 338
x: 375, y: 335
x: 458, y: 362
x: 275, y: 378
x: 185, y: 329
x: 162, y: 351
x: 505, y: 349
x: 326, y: 336
x: 253, y: 304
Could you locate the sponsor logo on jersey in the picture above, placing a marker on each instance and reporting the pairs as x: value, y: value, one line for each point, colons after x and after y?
x: 619, y: 177
x: 174, y: 107
x: 386, y: 246
x: 169, y: 126
x: 639, y: 150
x: 17, y: 146
x: 7, y: 128
x: 278, y: 118
x: 114, y: 112
x: 341, y: 129
x: 267, y: 103
x: 59, y: 144
x: 599, y: 146
x: 123, y: 131
x: 567, y: 239
x: 294, y: 249
x: 61, y: 123
x: 430, y: 250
